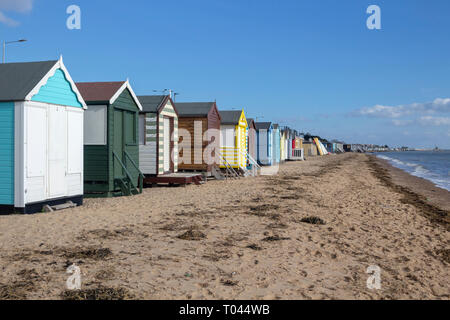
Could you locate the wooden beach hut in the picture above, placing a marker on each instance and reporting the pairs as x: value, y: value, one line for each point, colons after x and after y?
x: 252, y: 139
x: 298, y: 150
x: 295, y: 150
x: 310, y: 149
x: 158, y: 136
x: 264, y: 133
x: 276, y: 153
x: 41, y: 134
x: 339, y: 147
x: 111, y: 156
x: 199, y: 136
x: 290, y: 137
x: 233, y: 139
x: 329, y: 146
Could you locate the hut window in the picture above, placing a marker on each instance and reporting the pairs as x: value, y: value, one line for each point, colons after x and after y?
x: 142, y: 129
x: 95, y: 119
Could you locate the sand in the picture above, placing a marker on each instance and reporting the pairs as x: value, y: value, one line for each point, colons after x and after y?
x: 240, y: 239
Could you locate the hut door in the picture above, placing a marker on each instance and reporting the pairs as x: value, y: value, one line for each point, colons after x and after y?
x: 166, y: 144
x: 57, y: 151
x: 269, y: 146
x: 118, y: 146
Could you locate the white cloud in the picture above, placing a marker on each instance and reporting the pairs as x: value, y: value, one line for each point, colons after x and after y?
x: 401, y: 122
x: 429, y: 114
x: 8, y: 21
x: 435, y: 121
x: 379, y: 111
x: 20, y: 6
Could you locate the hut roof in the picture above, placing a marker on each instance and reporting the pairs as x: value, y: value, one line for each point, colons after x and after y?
x: 263, y: 125
x: 105, y: 91
x: 22, y: 80
x: 99, y: 91
x: 17, y: 80
x: 153, y: 103
x: 194, y: 109
x: 251, y: 122
x: 230, y: 117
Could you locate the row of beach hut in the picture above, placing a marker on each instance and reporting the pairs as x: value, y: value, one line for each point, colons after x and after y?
x: 61, y: 141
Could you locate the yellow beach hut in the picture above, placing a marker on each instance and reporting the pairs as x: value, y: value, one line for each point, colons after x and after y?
x: 233, y: 139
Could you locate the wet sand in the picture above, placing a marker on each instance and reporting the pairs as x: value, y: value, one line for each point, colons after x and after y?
x: 431, y: 193
x: 254, y: 238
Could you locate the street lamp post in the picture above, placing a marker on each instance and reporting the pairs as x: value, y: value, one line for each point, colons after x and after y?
x: 9, y: 42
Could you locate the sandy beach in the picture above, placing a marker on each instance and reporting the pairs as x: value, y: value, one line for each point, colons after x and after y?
x: 309, y: 232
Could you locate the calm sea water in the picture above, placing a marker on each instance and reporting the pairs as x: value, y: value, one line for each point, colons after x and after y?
x: 430, y: 165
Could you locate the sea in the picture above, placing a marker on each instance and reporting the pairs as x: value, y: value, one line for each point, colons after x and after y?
x: 430, y: 165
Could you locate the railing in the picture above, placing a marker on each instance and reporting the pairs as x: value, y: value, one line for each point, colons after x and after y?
x: 253, y: 162
x: 255, y: 165
x: 127, y: 173
x: 141, y: 175
x: 227, y: 166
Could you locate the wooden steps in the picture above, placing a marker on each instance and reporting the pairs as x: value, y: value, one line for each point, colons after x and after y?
x: 67, y: 205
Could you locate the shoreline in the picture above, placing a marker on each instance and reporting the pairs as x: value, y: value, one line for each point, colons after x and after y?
x: 429, y: 192
x: 379, y: 154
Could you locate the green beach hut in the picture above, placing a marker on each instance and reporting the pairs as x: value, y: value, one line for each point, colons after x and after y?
x: 111, y: 147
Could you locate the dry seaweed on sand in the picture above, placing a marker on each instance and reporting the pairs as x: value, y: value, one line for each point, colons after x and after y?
x: 289, y: 197
x: 265, y: 210
x: 313, y: 220
x: 16, y: 291
x: 105, y: 274
x: 98, y: 294
x: 229, y: 283
x: 277, y: 226
x: 192, y: 235
x: 441, y: 254
x: 107, y: 234
x: 291, y: 178
x: 217, y: 255
x: 275, y: 238
x: 28, y: 274
x: 87, y: 253
x: 254, y: 247
x: 444, y: 254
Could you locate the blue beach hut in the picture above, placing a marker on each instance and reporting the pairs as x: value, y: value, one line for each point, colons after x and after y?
x: 264, y: 134
x: 41, y: 137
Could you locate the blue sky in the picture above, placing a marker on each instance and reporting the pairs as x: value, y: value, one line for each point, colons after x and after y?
x: 311, y: 64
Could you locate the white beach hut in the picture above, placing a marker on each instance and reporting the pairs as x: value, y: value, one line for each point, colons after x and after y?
x: 41, y: 134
